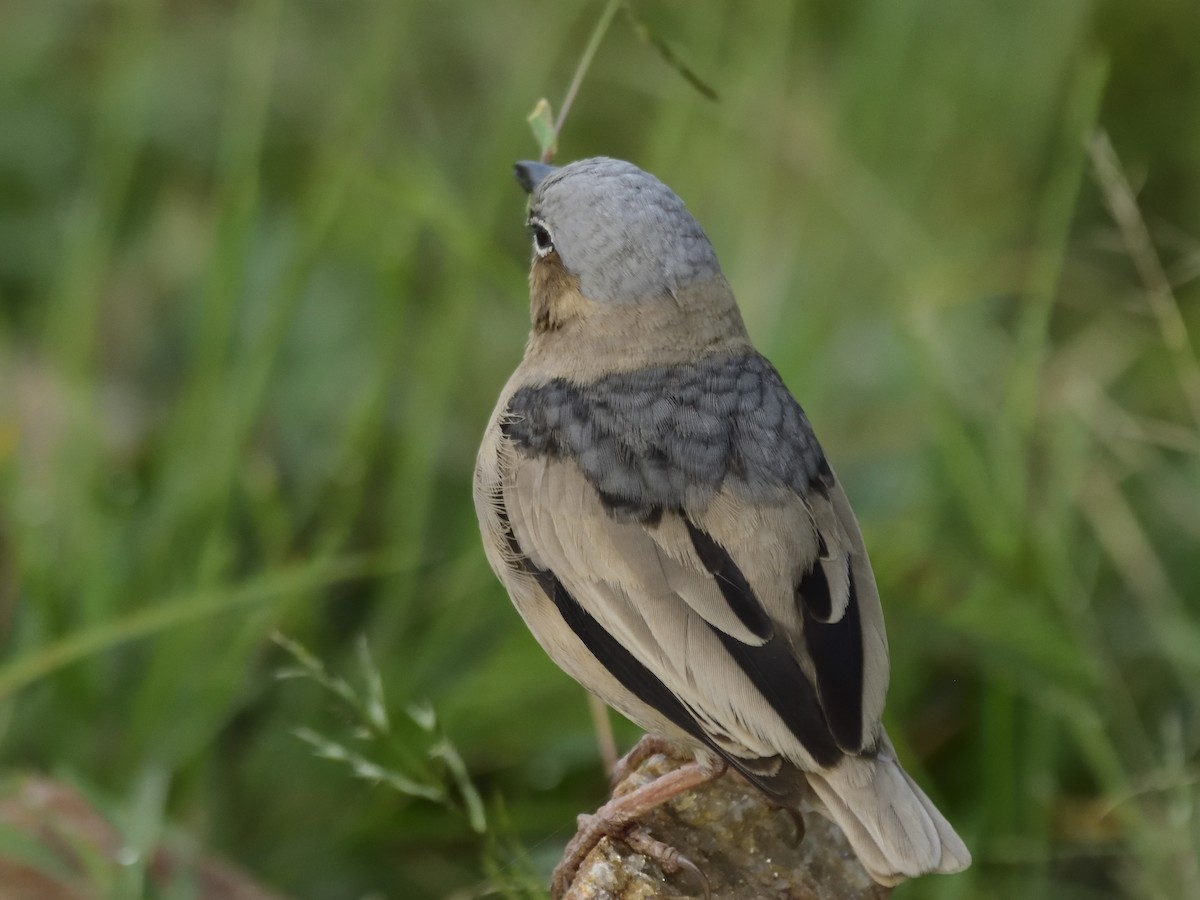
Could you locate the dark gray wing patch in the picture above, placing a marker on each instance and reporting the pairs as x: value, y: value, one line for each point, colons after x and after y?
x: 771, y: 666
x: 734, y: 587
x: 836, y: 649
x: 774, y: 670
x: 669, y: 437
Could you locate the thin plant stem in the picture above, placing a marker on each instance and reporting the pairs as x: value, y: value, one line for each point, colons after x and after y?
x: 1124, y: 208
x: 585, y: 63
x: 604, y: 733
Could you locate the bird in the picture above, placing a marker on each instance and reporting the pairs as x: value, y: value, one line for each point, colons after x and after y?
x: 656, y: 504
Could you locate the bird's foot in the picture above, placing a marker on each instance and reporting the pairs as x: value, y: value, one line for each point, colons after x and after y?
x: 668, y: 858
x: 617, y: 815
x: 640, y: 752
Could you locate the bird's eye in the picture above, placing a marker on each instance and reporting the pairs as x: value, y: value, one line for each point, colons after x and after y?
x: 542, y: 242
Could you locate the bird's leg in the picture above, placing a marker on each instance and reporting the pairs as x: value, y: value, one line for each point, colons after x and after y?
x: 640, y: 752
x: 619, y: 813
x: 668, y: 858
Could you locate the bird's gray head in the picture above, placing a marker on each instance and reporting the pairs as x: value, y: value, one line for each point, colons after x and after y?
x: 621, y: 232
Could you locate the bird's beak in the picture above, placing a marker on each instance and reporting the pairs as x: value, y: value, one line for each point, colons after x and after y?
x: 530, y: 174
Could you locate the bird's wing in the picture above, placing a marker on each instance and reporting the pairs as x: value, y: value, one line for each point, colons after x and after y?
x: 687, y: 528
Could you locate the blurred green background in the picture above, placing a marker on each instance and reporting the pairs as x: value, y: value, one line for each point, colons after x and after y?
x: 262, y: 275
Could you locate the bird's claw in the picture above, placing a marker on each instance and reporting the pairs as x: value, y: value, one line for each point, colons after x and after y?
x: 670, y: 860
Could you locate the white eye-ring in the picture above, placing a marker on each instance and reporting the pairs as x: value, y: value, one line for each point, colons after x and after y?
x: 543, y: 244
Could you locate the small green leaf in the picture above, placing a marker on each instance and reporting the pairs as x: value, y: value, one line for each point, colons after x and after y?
x: 541, y: 122
x: 423, y: 714
x: 368, y: 770
x: 376, y: 707
x: 446, y: 752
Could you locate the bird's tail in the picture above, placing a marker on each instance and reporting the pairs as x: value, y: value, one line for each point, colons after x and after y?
x: 895, y: 830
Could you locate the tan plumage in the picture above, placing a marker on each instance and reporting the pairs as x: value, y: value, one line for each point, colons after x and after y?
x: 665, y: 523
